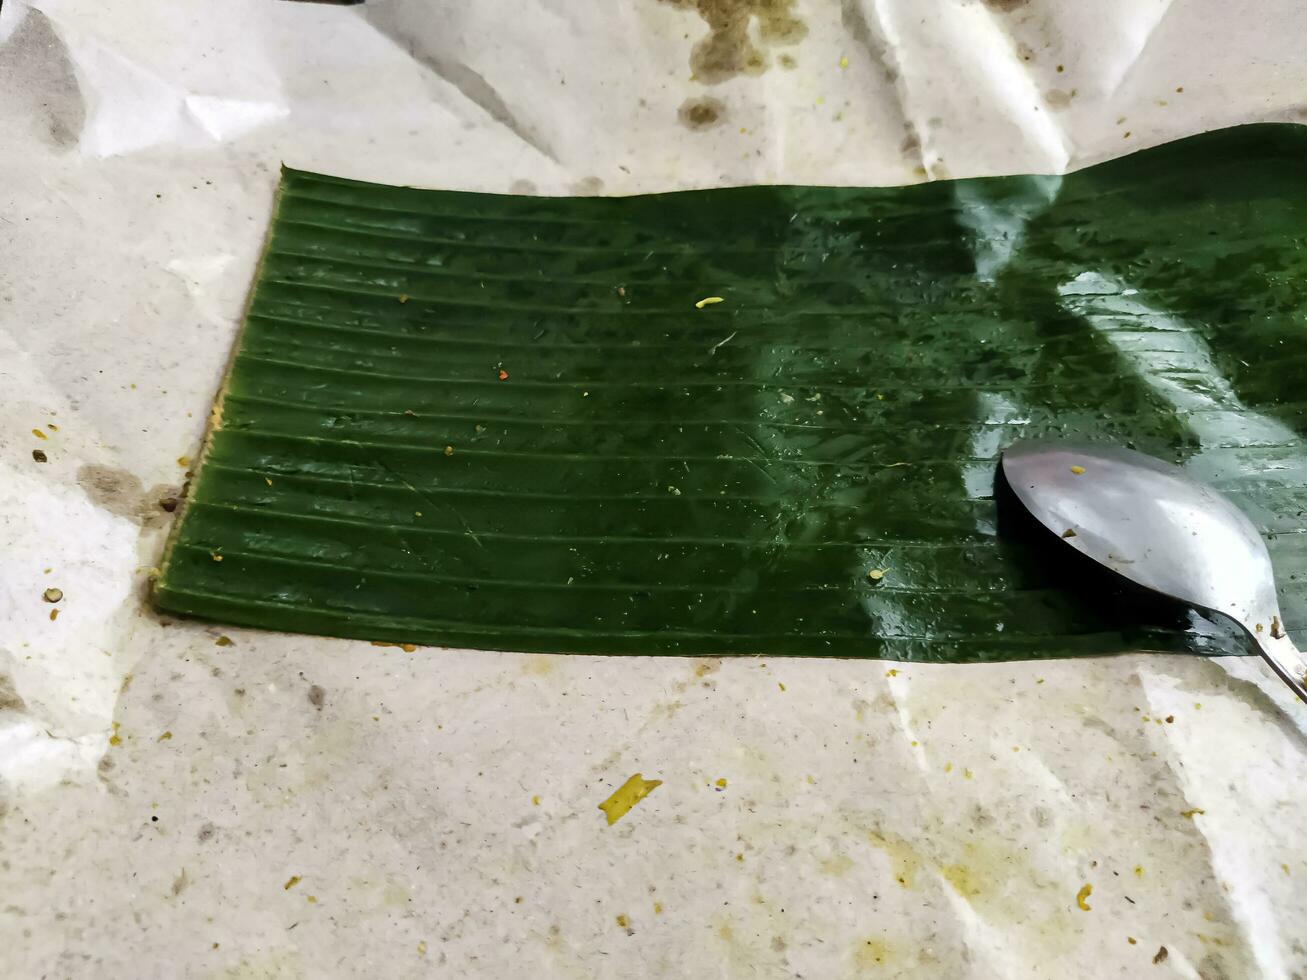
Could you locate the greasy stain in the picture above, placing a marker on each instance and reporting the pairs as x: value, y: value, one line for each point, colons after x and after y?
x: 317, y: 696
x: 590, y: 186
x: 701, y: 113
x: 871, y: 954
x: 962, y: 879
x: 728, y: 51
x: 9, y: 697
x: 837, y: 865
x: 121, y: 494
x: 904, y: 861
x: 628, y: 795
x: 539, y: 664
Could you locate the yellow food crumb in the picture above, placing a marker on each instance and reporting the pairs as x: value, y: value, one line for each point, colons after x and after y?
x: 291, y: 882
x: 1190, y: 813
x: 1078, y: 470
x: 449, y: 450
x: 403, y: 297
x: 1139, y: 870
x: 222, y: 641
x: 780, y: 685
x: 39, y: 434
x: 966, y: 773
x: 706, y: 301
x: 267, y: 481
x: 215, y: 556
x: 535, y: 801
x: 892, y: 672
x: 948, y: 767
x: 165, y: 737
x: 1131, y: 940
x: 311, y: 899
x: 183, y: 461
x: 721, y: 783
x: 623, y: 921
x: 54, y: 614
x: 844, y: 62
x: 422, y: 949
x: 1085, y: 892
x: 739, y: 857
x: 876, y: 574
x: 658, y: 908
x: 628, y: 795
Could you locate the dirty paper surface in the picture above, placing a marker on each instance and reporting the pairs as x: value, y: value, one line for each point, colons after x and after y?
x: 180, y: 800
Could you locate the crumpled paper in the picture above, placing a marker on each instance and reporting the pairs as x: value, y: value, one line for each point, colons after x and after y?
x: 179, y: 800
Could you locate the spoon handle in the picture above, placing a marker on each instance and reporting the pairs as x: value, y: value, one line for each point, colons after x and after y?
x: 1285, y: 660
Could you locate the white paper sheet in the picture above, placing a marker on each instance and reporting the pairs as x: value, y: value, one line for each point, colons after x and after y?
x: 286, y: 806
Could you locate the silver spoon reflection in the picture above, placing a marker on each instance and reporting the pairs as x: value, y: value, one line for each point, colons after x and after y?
x: 1150, y: 523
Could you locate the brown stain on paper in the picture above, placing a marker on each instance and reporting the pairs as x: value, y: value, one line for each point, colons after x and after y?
x: 728, y: 51
x: 121, y: 494
x: 703, y: 113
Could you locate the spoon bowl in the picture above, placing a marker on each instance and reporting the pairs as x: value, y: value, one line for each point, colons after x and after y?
x: 1149, y: 522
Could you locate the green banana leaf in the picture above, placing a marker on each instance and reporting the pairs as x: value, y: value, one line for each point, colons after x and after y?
x: 510, y: 422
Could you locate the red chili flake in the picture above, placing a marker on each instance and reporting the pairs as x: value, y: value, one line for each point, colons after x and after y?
x: 503, y: 375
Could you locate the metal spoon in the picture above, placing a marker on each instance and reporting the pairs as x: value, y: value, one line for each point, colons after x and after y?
x: 1149, y: 522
